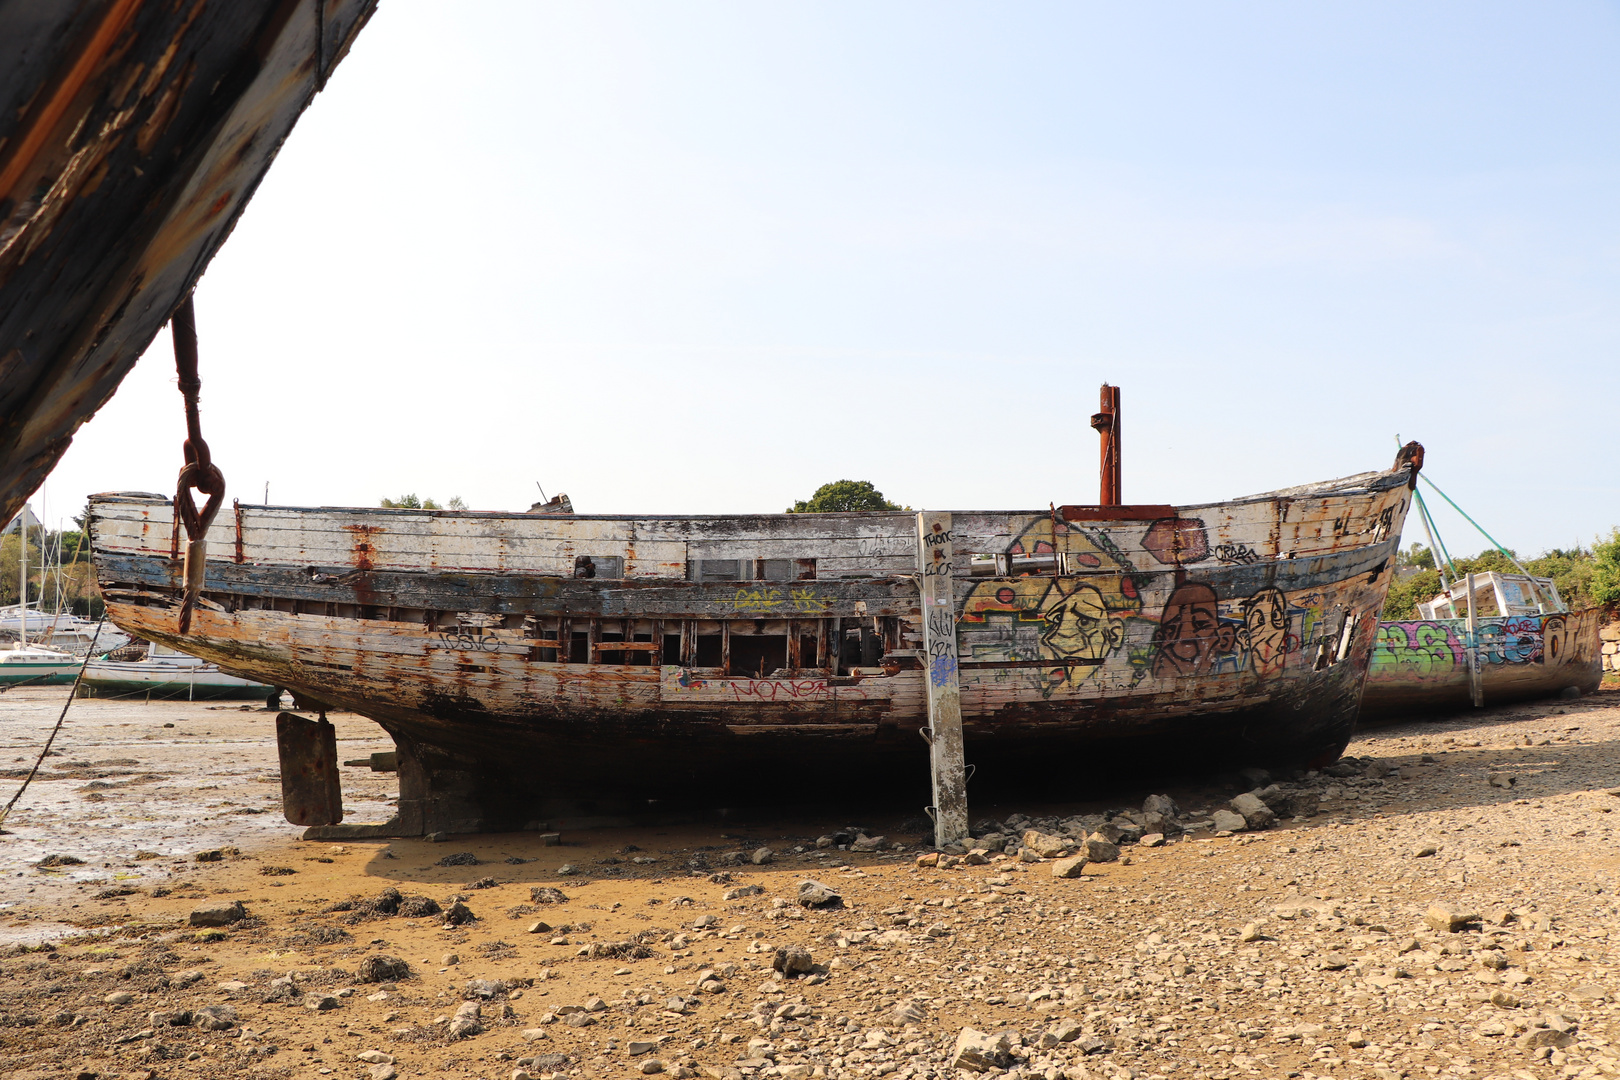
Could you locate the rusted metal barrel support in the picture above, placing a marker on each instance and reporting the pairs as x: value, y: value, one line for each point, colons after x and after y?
x: 1107, y: 424
x: 311, y: 793
x: 944, y: 731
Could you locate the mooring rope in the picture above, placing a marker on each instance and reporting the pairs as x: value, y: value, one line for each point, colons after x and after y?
x: 73, y: 693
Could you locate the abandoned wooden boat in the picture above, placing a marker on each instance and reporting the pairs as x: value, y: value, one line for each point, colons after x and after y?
x: 167, y: 674
x: 132, y: 136
x: 522, y: 659
x: 1525, y: 644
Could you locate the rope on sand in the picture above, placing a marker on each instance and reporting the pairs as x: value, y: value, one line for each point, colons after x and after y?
x: 73, y: 693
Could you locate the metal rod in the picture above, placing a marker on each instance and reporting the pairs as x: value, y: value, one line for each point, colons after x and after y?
x: 1476, y: 684
x: 1106, y: 422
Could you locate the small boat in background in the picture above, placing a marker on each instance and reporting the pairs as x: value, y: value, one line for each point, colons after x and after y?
x: 166, y: 674
x: 1488, y: 638
x: 30, y: 665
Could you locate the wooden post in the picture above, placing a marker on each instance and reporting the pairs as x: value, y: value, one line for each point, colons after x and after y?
x: 940, y: 673
x: 1107, y: 424
x: 1476, y: 679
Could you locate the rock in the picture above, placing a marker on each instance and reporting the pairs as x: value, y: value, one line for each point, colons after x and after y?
x: 567, y: 870
x: 705, y: 922
x: 1256, y: 814
x: 482, y: 989
x: 374, y: 1057
x: 218, y: 914
x: 375, y: 969
x: 545, y: 894
x: 1070, y: 867
x: 1501, y: 779
x: 652, y: 1065
x: 1152, y: 840
x: 1558, y: 1040
x: 762, y: 856
x: 119, y: 997
x: 579, y: 1019
x: 595, y: 1005
x: 181, y: 1018
x: 214, y: 1018
x: 637, y: 1047
x: 1064, y: 1031
x: 793, y: 960
x: 1160, y: 804
x: 449, y: 959
x: 742, y: 891
x: 1255, y: 777
x: 1588, y: 992
x: 535, y: 1034
x: 459, y: 915
x: 383, y: 1071
x: 1045, y: 845
x: 814, y: 894
x: 1449, y: 918
x: 909, y: 1012
x: 1333, y: 962
x: 1098, y: 848
x: 1228, y: 821
x: 1294, y: 804
x: 1503, y: 999
x: 1251, y: 932
x: 928, y: 858
x: 976, y: 1052
x: 466, y: 1022
x: 977, y: 857
x: 1423, y: 851
x: 318, y: 1002
x: 868, y: 843
x: 539, y: 928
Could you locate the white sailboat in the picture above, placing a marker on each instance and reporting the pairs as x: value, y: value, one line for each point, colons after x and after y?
x: 25, y: 664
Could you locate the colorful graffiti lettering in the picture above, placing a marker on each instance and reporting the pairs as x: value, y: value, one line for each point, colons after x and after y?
x: 686, y: 680
x: 799, y: 599
x: 1435, y: 648
x: 941, y: 668
x: 1423, y: 648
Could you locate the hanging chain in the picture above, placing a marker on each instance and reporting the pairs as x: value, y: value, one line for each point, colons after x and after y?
x: 199, y: 471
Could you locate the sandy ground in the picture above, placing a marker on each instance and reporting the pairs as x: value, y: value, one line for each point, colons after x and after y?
x: 1300, y: 950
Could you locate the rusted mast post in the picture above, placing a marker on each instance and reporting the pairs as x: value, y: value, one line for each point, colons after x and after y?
x: 944, y: 731
x: 1107, y: 424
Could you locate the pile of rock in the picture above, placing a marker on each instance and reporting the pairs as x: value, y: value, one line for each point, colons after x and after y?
x: 1610, y: 636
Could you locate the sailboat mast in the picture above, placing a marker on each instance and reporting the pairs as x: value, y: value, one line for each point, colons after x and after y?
x: 22, y: 578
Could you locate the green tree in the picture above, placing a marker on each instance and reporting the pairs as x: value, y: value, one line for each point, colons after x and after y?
x: 1419, y: 556
x: 409, y: 502
x: 1606, y: 569
x: 842, y: 497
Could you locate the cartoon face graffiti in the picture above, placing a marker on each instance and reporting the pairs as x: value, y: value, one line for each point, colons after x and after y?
x: 1265, y: 631
x: 1191, y: 634
x: 1078, y: 628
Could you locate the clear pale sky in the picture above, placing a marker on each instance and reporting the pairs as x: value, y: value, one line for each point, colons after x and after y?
x: 700, y: 257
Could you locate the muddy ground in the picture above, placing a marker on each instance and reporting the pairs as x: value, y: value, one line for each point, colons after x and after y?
x: 1302, y: 949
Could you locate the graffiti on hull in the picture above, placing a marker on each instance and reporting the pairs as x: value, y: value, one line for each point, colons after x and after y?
x: 1439, y: 647
x: 1089, y: 621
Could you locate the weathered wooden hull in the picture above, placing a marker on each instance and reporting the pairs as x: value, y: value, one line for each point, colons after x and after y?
x: 1421, y: 666
x: 1235, y: 632
x: 132, y: 136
